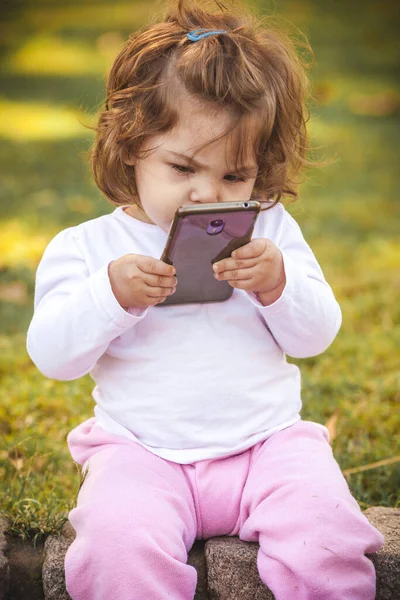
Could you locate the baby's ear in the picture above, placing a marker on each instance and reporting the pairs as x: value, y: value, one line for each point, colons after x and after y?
x: 129, y: 159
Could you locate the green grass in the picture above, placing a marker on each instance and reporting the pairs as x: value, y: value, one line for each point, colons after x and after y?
x: 349, y: 213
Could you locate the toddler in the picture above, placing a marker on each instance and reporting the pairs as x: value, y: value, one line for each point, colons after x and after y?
x: 196, y: 429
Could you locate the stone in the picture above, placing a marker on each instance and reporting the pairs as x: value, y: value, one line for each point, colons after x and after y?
x: 53, y: 575
x: 387, y: 559
x: 232, y: 570
x: 4, y: 566
x: 227, y: 566
x: 56, y: 547
x: 232, y: 564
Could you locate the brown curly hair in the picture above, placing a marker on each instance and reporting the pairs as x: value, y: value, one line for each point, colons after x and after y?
x: 255, y: 70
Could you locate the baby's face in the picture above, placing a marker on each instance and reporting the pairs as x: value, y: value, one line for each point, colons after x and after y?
x: 166, y: 180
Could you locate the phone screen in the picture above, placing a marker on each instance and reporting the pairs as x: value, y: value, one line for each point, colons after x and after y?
x: 200, y: 240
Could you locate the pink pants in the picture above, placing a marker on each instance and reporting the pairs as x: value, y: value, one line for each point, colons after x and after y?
x: 138, y: 515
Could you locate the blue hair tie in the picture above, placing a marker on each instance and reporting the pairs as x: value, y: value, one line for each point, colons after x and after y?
x: 195, y: 36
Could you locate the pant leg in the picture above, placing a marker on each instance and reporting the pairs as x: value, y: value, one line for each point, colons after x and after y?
x: 134, y: 521
x: 313, y: 536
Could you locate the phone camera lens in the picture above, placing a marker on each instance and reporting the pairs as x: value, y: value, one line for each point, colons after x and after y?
x: 215, y: 226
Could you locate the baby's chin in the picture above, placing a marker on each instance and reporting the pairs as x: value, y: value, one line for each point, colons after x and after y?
x: 164, y: 221
x: 166, y: 226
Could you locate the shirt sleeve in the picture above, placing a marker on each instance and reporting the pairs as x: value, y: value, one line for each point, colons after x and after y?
x: 76, y: 313
x: 306, y: 318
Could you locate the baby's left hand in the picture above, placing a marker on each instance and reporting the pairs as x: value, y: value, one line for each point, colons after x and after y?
x: 256, y: 267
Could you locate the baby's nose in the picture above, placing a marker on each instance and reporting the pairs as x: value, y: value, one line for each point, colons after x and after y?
x: 207, y: 192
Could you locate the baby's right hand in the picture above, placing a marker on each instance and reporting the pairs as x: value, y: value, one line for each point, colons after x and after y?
x: 141, y: 281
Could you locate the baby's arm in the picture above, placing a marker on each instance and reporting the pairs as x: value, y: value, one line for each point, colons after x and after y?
x: 285, y: 281
x: 306, y: 318
x: 77, y: 313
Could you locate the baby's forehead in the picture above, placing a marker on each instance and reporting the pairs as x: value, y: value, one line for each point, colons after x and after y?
x: 198, y: 122
x: 198, y: 133
x: 201, y: 125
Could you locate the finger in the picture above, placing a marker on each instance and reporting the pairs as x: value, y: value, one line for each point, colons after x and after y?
x: 159, y: 292
x: 251, y: 250
x: 159, y: 280
x: 154, y: 301
x: 163, y: 297
x: 230, y: 263
x: 246, y: 284
x: 147, y: 264
x: 235, y: 275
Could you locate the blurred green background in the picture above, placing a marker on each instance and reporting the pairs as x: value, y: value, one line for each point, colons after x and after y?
x: 53, y: 60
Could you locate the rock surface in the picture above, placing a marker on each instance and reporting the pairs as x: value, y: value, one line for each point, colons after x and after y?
x: 226, y: 566
x: 387, y: 559
x: 4, y: 566
x: 232, y: 570
x: 55, y: 549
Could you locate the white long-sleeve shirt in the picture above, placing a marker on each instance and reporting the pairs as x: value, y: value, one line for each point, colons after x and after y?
x: 188, y: 382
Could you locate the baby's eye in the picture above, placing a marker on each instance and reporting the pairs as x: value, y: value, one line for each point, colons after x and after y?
x: 182, y: 169
x: 234, y: 178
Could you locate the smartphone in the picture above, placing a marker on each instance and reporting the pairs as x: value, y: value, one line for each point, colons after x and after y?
x: 201, y: 235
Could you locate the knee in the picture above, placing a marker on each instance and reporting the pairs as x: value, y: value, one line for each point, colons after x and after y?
x: 104, y: 556
x: 336, y: 530
x: 114, y: 536
x: 325, y: 549
x: 100, y: 530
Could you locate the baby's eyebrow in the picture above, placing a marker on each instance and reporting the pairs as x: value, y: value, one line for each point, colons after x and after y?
x: 251, y: 169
